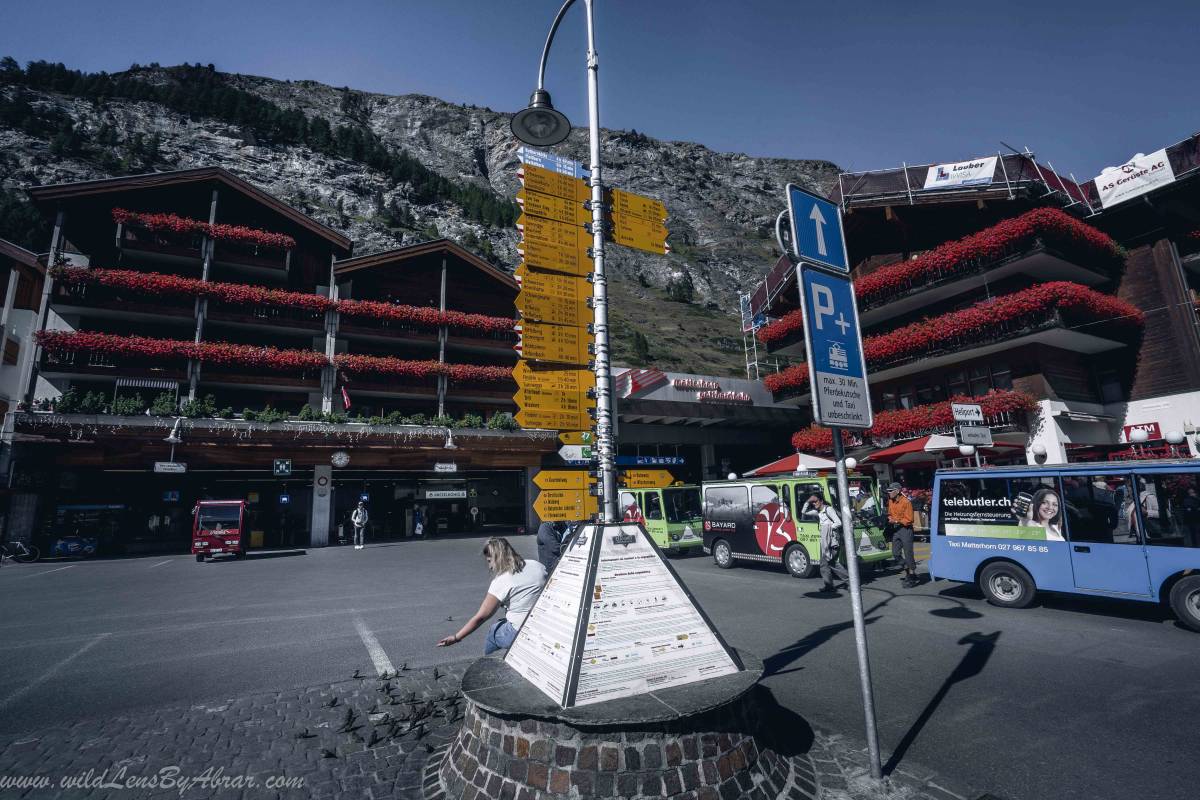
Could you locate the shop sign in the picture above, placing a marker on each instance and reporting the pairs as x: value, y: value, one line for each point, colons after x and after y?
x: 962, y: 173
x: 1139, y: 175
x: 442, y: 466
x: 173, y: 467
x: 695, y: 384
x: 445, y: 494
x: 725, y: 398
x: 1153, y: 431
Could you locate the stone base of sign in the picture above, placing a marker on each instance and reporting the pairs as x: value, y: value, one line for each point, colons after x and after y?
x: 701, y: 740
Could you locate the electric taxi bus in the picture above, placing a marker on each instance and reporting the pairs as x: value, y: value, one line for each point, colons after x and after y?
x: 769, y: 520
x: 1129, y: 530
x: 671, y: 515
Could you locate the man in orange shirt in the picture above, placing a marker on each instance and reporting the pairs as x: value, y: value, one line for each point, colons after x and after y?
x: 900, y: 520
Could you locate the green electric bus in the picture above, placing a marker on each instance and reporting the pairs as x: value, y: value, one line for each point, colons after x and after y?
x: 671, y: 515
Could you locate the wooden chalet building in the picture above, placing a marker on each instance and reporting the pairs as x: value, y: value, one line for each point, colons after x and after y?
x: 1072, y: 323
x: 195, y: 287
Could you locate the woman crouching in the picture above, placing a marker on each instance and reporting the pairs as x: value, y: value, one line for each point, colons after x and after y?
x: 516, y: 585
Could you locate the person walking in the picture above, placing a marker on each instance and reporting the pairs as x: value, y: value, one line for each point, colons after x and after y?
x: 516, y: 585
x: 900, y: 520
x: 549, y: 544
x: 829, y: 523
x: 359, y: 518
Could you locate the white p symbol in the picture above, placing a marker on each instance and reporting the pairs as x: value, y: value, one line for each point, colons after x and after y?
x: 822, y: 304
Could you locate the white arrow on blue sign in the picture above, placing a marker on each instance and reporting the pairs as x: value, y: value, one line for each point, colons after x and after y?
x: 817, y: 229
x: 552, y: 162
x: 837, y: 369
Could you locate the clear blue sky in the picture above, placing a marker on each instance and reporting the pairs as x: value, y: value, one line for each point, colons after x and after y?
x: 1085, y: 83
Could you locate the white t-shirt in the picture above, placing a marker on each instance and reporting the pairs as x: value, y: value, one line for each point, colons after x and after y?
x: 518, y: 591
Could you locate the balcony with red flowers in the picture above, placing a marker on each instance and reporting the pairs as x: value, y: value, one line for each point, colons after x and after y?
x: 163, y: 238
x: 381, y: 323
x: 1044, y: 244
x: 1005, y: 412
x: 74, y: 353
x: 1057, y: 314
x: 388, y: 376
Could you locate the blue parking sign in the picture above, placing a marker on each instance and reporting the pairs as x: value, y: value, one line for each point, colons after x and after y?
x: 837, y: 369
x: 817, y: 229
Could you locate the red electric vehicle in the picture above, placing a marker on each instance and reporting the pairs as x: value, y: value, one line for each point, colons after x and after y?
x: 218, y: 526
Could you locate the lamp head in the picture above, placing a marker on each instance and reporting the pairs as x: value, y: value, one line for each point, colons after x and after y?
x: 1174, y: 437
x: 450, y: 445
x: 540, y: 124
x: 1138, y: 435
x: 967, y: 449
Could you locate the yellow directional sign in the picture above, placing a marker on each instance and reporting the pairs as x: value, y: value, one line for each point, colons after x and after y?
x: 548, y: 297
x: 577, y: 437
x: 639, y: 233
x: 537, y: 179
x: 646, y: 478
x: 562, y: 479
x: 565, y: 504
x: 547, y: 206
x: 559, y: 378
x: 539, y: 399
x: 628, y: 204
x: 554, y: 246
x: 552, y: 419
x: 563, y: 344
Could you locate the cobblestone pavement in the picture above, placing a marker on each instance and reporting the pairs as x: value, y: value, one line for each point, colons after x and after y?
x: 369, y: 736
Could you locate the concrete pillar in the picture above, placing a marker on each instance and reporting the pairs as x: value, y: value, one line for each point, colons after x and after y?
x: 322, y: 504
x: 708, y: 462
x: 1049, y: 436
x: 531, y: 518
x: 22, y: 514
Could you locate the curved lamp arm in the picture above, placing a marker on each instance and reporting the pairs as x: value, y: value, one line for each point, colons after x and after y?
x: 549, y: 39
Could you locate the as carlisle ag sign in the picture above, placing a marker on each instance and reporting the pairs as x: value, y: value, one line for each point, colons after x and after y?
x: 1140, y: 175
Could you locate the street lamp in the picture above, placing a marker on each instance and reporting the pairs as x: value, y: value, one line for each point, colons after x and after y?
x: 173, y: 438
x: 541, y: 125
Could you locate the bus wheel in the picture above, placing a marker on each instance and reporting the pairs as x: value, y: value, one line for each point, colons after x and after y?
x: 1185, y: 601
x: 722, y: 554
x: 1007, y: 585
x: 200, y: 558
x: 798, y: 563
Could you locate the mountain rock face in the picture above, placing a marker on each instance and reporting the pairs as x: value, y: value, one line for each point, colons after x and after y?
x: 722, y: 206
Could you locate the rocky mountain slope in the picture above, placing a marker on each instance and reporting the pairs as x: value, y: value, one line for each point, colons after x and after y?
x: 390, y: 170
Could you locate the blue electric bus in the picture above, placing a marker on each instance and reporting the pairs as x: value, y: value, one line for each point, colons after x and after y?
x: 1128, y: 530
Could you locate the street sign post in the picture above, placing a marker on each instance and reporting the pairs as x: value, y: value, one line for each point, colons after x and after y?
x: 552, y: 162
x: 646, y: 478
x: 978, y: 435
x: 562, y: 479
x: 577, y: 437
x: 554, y: 505
x: 837, y: 369
x: 575, y: 452
x: 539, y: 179
x: 552, y: 419
x: 967, y: 412
x: 817, y: 229
x: 838, y: 378
x: 548, y: 206
x: 561, y: 344
x: 640, y: 234
x: 628, y: 204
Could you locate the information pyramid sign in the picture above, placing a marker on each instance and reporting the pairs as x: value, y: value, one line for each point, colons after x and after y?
x: 614, y: 621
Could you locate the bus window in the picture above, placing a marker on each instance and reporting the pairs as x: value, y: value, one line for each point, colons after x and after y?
x: 1099, y: 509
x: 803, y: 492
x: 630, y: 511
x: 763, y: 495
x: 862, y: 494
x: 726, y: 502
x: 1170, y: 507
x: 683, y: 505
x: 653, y: 505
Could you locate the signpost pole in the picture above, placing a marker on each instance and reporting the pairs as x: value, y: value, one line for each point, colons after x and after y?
x: 850, y: 545
x: 605, y: 444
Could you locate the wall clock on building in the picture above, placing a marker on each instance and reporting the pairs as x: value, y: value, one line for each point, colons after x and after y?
x: 340, y: 459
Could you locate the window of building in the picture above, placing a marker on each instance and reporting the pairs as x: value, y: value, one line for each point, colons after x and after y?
x: 12, y: 351
x: 980, y: 380
x: 1170, y: 508
x: 1100, y: 508
x: 887, y: 401
x: 1001, y: 376
x: 956, y: 382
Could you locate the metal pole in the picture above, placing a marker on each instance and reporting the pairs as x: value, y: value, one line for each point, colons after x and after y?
x: 850, y: 545
x: 1004, y: 169
x: 605, y: 441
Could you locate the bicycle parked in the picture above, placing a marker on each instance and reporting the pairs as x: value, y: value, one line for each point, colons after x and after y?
x: 20, y: 552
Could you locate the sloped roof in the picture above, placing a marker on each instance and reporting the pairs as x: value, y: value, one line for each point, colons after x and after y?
x: 21, y: 255
x: 46, y: 195
x: 400, y: 254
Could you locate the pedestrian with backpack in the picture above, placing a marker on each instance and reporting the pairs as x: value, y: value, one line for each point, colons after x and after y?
x: 359, y: 519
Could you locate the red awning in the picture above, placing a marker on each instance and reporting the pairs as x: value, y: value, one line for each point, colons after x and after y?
x: 914, y: 448
x: 796, y: 462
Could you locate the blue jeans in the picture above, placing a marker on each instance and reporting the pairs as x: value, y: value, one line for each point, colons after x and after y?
x: 499, y: 637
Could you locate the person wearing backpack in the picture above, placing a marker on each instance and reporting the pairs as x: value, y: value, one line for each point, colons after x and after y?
x: 359, y: 519
x: 829, y: 522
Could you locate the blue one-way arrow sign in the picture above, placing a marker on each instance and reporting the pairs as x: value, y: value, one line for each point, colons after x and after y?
x: 817, y: 229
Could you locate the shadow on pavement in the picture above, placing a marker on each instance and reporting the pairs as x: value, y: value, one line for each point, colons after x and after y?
x: 774, y: 664
x: 262, y: 555
x: 972, y: 663
x: 781, y: 729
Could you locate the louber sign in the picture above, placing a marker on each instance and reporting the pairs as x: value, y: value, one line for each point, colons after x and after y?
x: 1140, y: 175
x: 963, y: 173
